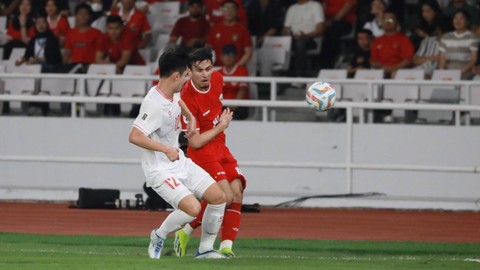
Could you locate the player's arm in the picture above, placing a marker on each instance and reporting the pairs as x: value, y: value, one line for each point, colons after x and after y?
x: 199, y: 140
x: 140, y: 139
x: 192, y: 122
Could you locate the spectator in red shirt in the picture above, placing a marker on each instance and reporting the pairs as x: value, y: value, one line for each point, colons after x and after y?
x: 393, y: 50
x: 234, y: 90
x: 20, y: 30
x: 230, y: 32
x: 57, y: 23
x: 390, y: 52
x: 215, y: 12
x: 116, y: 46
x: 193, y: 29
x: 81, y: 41
x: 135, y: 22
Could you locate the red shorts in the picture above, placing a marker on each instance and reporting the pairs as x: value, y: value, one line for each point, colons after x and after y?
x: 225, y: 167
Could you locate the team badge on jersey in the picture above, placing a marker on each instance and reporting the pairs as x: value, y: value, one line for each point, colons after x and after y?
x: 144, y: 116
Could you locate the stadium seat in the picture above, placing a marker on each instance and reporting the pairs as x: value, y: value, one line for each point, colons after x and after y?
x: 2, y: 86
x: 16, y: 54
x: 163, y: 9
x: 274, y: 55
x: 440, y: 96
x: 161, y: 43
x: 360, y: 92
x: 254, y: 113
x: 131, y: 88
x: 98, y: 87
x: 57, y: 87
x: 440, y: 75
x: 475, y: 98
x: 334, y: 74
x: 403, y: 93
x: 21, y: 86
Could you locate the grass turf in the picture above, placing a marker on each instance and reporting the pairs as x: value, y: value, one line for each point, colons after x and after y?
x: 27, y: 251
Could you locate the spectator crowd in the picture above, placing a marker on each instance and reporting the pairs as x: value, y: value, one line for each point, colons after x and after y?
x: 62, y: 35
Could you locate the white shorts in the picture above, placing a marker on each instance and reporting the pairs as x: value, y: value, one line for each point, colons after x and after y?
x: 174, y: 185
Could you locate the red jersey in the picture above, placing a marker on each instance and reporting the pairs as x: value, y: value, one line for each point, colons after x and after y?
x: 114, y: 49
x: 221, y: 35
x: 136, y: 24
x: 188, y: 29
x: 206, y: 107
x: 60, y: 28
x: 230, y: 89
x: 82, y: 45
x: 214, y: 12
x: 16, y: 34
x: 391, y: 50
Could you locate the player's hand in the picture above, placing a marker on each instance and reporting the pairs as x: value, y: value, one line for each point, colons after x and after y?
x: 172, y: 153
x: 226, y: 117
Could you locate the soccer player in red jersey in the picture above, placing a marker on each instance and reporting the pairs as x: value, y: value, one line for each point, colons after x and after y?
x: 203, y: 96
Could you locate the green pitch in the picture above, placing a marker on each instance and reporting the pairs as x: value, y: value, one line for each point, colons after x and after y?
x: 24, y: 251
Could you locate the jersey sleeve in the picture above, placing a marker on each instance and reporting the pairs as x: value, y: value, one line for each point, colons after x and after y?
x: 149, y: 118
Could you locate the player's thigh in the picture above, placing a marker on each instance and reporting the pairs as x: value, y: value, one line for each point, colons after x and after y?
x: 216, y: 170
x: 170, y: 188
x: 197, y: 180
x: 232, y: 171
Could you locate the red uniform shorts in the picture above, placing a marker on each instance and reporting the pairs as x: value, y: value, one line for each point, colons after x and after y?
x: 224, y: 167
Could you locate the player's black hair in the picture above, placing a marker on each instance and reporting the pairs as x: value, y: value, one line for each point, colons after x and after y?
x: 172, y: 60
x: 200, y: 55
x: 114, y: 19
x: 84, y: 6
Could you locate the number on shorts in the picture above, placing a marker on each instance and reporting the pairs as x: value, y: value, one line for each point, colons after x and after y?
x: 172, y: 182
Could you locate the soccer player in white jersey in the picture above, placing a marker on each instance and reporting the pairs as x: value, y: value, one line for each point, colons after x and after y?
x: 173, y: 176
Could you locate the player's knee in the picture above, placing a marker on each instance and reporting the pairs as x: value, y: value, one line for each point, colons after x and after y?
x: 237, y: 197
x: 218, y: 197
x: 190, y: 207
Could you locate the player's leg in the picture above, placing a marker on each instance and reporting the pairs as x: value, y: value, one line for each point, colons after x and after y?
x: 186, y: 207
x: 212, y: 218
x: 208, y: 190
x: 233, y: 213
x: 232, y: 218
x: 182, y: 237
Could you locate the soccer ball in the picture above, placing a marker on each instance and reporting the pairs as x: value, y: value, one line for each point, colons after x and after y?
x: 321, y: 96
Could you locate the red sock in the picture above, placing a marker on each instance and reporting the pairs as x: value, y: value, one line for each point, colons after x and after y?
x: 231, y: 221
x: 198, y: 219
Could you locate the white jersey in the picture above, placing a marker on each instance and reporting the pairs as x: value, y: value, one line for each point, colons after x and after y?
x: 159, y: 118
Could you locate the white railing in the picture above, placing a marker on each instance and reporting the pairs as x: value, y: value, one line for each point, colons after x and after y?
x: 81, y: 96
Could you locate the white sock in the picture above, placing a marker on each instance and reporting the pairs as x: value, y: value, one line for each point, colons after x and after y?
x: 173, y: 223
x: 212, y: 221
x: 188, y: 229
x: 226, y: 244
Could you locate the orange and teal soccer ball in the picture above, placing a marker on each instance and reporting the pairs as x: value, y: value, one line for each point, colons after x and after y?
x: 321, y: 96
